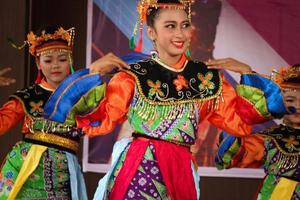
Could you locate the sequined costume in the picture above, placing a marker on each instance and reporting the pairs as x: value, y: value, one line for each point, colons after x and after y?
x: 276, y: 149
x: 164, y: 106
x: 43, y: 165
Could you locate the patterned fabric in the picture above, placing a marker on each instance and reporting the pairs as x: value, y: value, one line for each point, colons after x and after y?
x: 181, y: 128
x: 286, y: 138
x: 34, y: 99
x: 279, y: 163
x: 49, y: 181
x: 51, y: 177
x: 194, y: 83
x: 147, y: 182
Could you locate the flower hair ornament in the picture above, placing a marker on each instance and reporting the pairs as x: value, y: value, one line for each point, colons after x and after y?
x: 144, y: 7
x: 288, y: 78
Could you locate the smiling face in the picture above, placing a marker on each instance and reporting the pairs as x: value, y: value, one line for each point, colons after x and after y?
x: 292, y: 99
x: 171, y: 34
x: 55, y: 66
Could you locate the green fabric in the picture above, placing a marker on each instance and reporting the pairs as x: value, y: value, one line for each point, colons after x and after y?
x: 145, y: 118
x: 162, y: 189
x: 50, y: 179
x: 228, y: 155
x: 255, y: 97
x: 87, y: 103
x: 267, y: 188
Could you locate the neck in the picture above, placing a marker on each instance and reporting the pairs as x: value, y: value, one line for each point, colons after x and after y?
x: 50, y: 85
x: 176, y: 62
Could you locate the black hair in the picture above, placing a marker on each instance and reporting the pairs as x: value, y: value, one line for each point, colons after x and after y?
x: 152, y: 13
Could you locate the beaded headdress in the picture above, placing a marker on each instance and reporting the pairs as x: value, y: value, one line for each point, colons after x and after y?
x: 143, y: 9
x: 289, y: 77
x: 60, y: 39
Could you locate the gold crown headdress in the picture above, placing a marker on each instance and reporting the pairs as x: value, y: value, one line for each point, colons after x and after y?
x: 61, y: 39
x: 288, y: 77
x: 36, y: 43
x: 143, y: 9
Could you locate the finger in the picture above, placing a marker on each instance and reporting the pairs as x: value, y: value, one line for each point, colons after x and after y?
x: 12, y: 80
x: 215, y: 67
x: 5, y: 70
x: 6, y: 81
x: 216, y: 62
x: 121, y: 63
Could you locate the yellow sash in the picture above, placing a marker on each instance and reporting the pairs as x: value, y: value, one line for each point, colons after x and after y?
x: 29, y: 165
x: 284, y: 189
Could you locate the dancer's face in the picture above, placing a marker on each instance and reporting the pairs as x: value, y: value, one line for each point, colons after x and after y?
x: 55, y: 66
x: 292, y: 99
x: 171, y: 33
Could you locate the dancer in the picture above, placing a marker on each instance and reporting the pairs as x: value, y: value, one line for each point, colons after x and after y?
x: 44, y: 164
x: 277, y: 148
x: 164, y: 98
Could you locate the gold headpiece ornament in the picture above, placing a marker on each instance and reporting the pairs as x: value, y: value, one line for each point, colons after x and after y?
x: 37, y: 43
x: 60, y: 39
x: 288, y: 77
x: 143, y: 9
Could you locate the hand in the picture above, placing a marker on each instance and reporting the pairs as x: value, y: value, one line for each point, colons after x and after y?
x: 107, y: 63
x: 229, y: 64
x: 5, y: 81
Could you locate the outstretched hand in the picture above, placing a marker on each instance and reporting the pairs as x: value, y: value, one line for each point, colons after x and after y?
x: 229, y: 64
x: 5, y: 81
x: 107, y: 63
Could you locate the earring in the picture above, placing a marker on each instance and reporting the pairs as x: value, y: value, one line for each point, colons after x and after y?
x: 188, y: 53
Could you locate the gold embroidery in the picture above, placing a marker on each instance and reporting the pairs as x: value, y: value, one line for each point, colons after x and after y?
x: 54, y: 139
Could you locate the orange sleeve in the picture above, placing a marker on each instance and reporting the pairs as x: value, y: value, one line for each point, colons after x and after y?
x: 254, y: 148
x: 10, y: 114
x: 113, y: 108
x: 225, y: 116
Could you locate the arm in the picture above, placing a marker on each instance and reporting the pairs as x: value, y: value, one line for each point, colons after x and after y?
x: 113, y: 108
x: 10, y: 114
x: 244, y: 152
x: 226, y: 116
x: 256, y: 99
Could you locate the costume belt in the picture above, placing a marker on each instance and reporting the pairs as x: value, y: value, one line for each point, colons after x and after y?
x: 52, y: 140
x: 139, y: 135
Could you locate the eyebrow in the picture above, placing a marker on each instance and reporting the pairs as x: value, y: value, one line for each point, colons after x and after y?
x: 175, y: 21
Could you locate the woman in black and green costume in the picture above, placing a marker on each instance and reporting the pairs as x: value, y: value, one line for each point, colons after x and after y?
x: 44, y: 164
x: 277, y: 149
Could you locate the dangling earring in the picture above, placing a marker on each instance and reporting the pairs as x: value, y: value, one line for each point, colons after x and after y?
x: 154, y: 52
x: 39, y: 77
x: 188, y: 53
x: 71, y: 64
